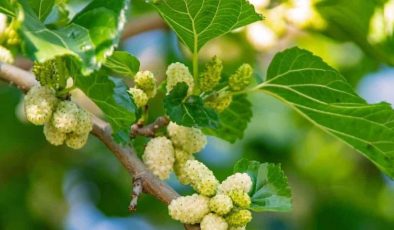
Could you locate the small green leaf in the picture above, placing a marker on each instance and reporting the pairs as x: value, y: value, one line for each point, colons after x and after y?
x: 270, y: 191
x: 42, y: 8
x: 110, y: 95
x: 188, y: 111
x: 233, y: 121
x: 322, y: 95
x: 8, y: 7
x: 198, y: 21
x: 122, y: 63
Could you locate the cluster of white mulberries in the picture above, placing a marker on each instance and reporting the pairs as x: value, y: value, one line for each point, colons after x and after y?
x: 159, y: 157
x: 228, y: 202
x: 64, y: 121
x: 144, y: 89
x: 177, y: 73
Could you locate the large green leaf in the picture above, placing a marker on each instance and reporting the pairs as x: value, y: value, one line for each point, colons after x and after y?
x: 122, y: 63
x: 8, y: 7
x: 42, y: 8
x: 89, y: 38
x: 188, y: 111
x: 110, y: 94
x: 270, y: 191
x: 323, y: 96
x: 198, y: 21
x: 234, y: 120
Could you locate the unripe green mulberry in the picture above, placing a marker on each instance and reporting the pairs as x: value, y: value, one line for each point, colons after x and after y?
x: 239, y: 218
x: 191, y: 140
x: 236, y: 182
x: 213, y: 222
x: 176, y: 73
x: 240, y: 198
x: 39, y: 104
x: 84, y: 122
x: 220, y: 102
x: 65, y: 117
x: 189, y: 209
x: 159, y: 157
x: 220, y: 204
x: 181, y: 157
x: 238, y: 228
x: 6, y: 55
x: 53, y: 135
x: 139, y: 97
x: 146, y: 81
x: 241, y: 78
x: 210, y: 78
x: 76, y: 141
x: 201, y: 178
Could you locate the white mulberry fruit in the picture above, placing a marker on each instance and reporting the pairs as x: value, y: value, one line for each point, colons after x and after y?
x: 239, y: 218
x: 220, y: 204
x: 76, y: 141
x: 6, y: 55
x: 238, y: 181
x: 213, y: 222
x: 65, y: 117
x: 181, y: 157
x: 84, y: 122
x: 159, y: 157
x: 53, y: 135
x: 191, y: 140
x: 139, y: 97
x: 201, y: 178
x: 240, y: 198
x: 189, y: 209
x: 176, y: 73
x: 39, y: 104
x: 146, y: 81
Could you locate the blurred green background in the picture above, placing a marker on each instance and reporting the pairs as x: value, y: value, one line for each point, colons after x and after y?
x: 46, y: 187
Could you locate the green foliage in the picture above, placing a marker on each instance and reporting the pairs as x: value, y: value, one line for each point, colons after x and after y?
x: 233, y: 121
x: 88, y: 41
x: 323, y: 96
x: 42, y: 8
x: 270, y: 191
x: 188, y: 111
x: 122, y: 63
x: 8, y: 7
x: 110, y: 94
x: 196, y: 22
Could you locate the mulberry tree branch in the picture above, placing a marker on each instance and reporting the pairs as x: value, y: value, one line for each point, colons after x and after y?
x: 149, y: 130
x: 150, y: 184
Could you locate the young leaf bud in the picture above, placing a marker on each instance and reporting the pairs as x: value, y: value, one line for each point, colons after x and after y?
x: 236, y: 182
x: 189, y: 209
x: 181, y: 157
x: 139, y: 97
x: 176, y: 73
x: 84, y: 122
x: 191, y: 140
x: 220, y: 102
x: 212, y: 74
x: 146, y: 81
x: 76, y: 141
x: 240, y: 198
x: 65, y: 117
x: 6, y: 55
x: 213, y: 222
x: 39, y: 104
x: 54, y: 136
x: 159, y: 157
x: 220, y: 204
x: 241, y: 78
x: 239, y: 218
x: 201, y: 178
